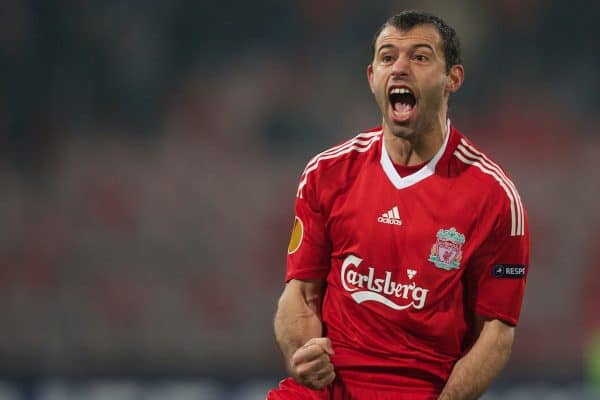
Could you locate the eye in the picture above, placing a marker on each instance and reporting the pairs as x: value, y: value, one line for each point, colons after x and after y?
x: 386, y: 58
x: 421, y: 57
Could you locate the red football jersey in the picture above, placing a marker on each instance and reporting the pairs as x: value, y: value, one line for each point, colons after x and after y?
x: 408, y: 260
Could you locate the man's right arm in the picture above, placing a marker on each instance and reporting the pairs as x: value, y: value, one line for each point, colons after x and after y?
x: 299, y: 330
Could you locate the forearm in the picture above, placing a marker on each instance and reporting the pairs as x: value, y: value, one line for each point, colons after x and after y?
x: 297, y: 319
x: 476, y: 370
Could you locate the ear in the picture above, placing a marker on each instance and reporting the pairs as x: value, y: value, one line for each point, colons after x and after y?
x: 370, y: 76
x: 456, y: 76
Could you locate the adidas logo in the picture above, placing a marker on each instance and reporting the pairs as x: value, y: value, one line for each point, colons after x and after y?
x: 411, y: 273
x: 391, y: 217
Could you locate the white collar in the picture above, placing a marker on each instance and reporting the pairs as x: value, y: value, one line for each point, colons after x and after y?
x: 426, y: 171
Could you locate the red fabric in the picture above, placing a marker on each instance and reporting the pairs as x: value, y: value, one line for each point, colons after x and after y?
x: 397, y: 318
x: 405, y: 170
x: 338, y: 390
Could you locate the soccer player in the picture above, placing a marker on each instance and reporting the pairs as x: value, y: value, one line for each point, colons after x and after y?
x: 409, y: 249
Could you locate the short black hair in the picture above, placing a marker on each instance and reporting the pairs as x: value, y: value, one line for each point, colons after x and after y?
x: 408, y: 19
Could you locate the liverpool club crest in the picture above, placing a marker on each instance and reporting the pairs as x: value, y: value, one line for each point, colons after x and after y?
x: 446, y: 253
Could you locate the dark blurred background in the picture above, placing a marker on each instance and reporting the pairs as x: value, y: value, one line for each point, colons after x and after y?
x: 149, y: 156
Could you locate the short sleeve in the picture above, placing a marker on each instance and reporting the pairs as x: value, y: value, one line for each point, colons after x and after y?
x: 498, y: 272
x: 309, y: 249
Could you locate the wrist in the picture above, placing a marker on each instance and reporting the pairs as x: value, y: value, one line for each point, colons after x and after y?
x: 446, y: 396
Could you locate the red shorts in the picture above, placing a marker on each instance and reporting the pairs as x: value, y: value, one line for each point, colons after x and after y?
x: 291, y: 390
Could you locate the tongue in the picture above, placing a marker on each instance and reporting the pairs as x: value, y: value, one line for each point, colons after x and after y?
x: 402, y: 107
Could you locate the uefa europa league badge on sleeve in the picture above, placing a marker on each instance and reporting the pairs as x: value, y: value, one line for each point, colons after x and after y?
x: 446, y: 252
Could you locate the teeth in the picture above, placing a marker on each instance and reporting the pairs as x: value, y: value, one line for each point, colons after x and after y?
x: 400, y: 91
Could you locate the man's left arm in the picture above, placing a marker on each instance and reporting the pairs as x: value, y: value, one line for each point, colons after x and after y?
x: 475, y: 371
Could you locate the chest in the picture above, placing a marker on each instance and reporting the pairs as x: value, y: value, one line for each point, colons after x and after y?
x: 431, y: 228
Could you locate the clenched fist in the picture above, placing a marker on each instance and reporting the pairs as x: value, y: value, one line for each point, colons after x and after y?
x: 311, y: 364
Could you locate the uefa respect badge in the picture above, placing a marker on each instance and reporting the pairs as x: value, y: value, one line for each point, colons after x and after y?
x: 446, y: 253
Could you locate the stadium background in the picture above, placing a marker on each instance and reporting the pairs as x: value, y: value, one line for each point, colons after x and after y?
x: 149, y: 155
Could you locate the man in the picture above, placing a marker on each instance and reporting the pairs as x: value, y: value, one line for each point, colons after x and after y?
x: 409, y: 251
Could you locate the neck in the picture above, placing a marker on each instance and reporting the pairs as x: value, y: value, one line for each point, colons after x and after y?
x: 418, y: 147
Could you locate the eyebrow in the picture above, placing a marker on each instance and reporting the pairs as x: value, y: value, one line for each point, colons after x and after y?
x: 385, y: 46
x: 413, y: 47
x: 416, y: 46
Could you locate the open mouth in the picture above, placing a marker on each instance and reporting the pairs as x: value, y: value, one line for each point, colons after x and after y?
x: 403, y: 102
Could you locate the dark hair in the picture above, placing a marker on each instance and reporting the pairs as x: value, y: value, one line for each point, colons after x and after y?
x: 406, y: 20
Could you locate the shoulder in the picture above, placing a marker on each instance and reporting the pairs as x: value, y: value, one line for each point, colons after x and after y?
x: 352, y: 152
x: 492, y: 181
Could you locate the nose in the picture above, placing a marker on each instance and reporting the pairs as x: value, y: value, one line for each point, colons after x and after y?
x: 401, y: 66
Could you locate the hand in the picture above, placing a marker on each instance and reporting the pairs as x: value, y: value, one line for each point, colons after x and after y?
x: 311, y: 365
